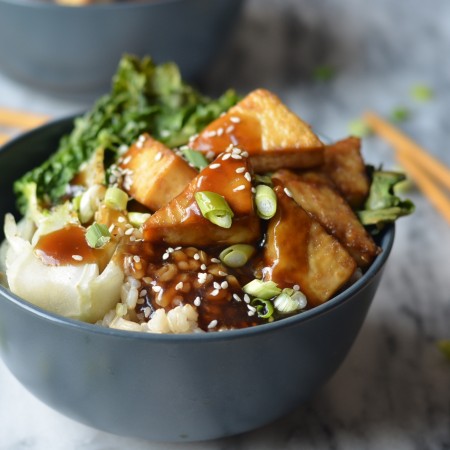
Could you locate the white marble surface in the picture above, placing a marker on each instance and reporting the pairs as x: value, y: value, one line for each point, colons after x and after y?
x: 393, y: 390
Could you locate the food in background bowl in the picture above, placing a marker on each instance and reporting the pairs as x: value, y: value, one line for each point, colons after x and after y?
x: 165, y: 211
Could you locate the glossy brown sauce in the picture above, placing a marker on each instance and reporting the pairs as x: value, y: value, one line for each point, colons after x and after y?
x: 183, y: 288
x: 59, y: 247
x: 240, y: 130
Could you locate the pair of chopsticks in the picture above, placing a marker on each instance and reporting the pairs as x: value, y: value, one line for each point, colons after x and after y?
x: 14, y: 121
x: 430, y: 175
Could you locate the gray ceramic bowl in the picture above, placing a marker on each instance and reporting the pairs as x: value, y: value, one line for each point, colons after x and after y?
x: 172, y: 387
x: 77, y: 49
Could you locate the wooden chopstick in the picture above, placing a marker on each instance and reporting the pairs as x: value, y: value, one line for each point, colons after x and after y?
x: 423, y: 168
x: 20, y: 119
x: 4, y: 138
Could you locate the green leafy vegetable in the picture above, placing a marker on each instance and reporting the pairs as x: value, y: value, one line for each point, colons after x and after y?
x: 144, y: 97
x: 382, y: 205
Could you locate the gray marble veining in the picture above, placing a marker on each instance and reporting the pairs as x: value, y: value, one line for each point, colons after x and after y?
x: 393, y: 390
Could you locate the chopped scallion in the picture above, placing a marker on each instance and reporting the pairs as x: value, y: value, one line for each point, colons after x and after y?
x: 262, y: 289
x: 97, y: 235
x: 115, y: 198
x: 214, y: 208
x: 264, y: 308
x: 237, y: 255
x: 289, y: 301
x: 137, y: 219
x: 266, y: 201
x: 195, y: 158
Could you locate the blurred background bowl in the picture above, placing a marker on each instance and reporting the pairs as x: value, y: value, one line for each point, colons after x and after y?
x: 76, y: 49
x: 172, y: 387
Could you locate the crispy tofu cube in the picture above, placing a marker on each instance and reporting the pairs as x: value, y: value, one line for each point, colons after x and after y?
x: 155, y: 173
x: 262, y: 125
x: 316, y: 194
x: 180, y: 222
x: 345, y: 166
x: 300, y: 251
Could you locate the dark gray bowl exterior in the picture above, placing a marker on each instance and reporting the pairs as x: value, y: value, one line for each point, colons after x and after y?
x: 169, y: 387
x: 78, y: 48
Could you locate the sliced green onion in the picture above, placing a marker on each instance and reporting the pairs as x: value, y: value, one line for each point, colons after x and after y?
x: 262, y: 289
x: 76, y: 201
x: 195, y: 158
x: 263, y: 179
x: 214, y: 208
x: 264, y: 308
x: 137, y: 219
x: 266, y: 201
x: 97, y: 235
x: 115, y: 198
x: 444, y: 347
x: 289, y: 301
x: 237, y: 255
x: 422, y: 93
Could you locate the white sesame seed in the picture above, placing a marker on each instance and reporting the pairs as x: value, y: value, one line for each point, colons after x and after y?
x: 121, y: 219
x: 170, y: 250
x: 214, y: 166
x: 241, y: 187
x: 229, y: 129
x: 132, y: 238
x: 240, y: 170
x: 248, y: 177
x: 111, y: 228
x: 196, y: 256
x: 226, y: 156
x: 210, y: 155
x: 143, y: 293
x: 147, y: 311
x: 137, y: 258
x: 156, y: 288
x: 129, y: 231
x: 127, y: 159
x: 224, y: 284
x: 296, y: 287
x: 215, y: 260
x: 237, y: 298
x: 235, y: 119
x: 251, y: 308
x: 197, y: 301
x: 158, y: 156
x: 236, y: 156
x: 212, y: 324
x: 179, y: 286
x: 202, y: 277
x: 203, y: 267
x: 222, y: 273
x: 215, y: 292
x: 251, y: 313
x: 287, y: 192
x: 216, y: 285
x: 253, y: 190
x: 77, y: 257
x: 246, y: 298
x: 220, y: 131
x: 165, y: 256
x: 244, y: 154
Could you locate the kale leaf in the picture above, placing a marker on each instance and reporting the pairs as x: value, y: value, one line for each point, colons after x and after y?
x: 145, y: 97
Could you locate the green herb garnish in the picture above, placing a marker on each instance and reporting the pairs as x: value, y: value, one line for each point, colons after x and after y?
x: 144, y: 97
x: 97, y: 235
x: 383, y: 205
x: 214, y: 208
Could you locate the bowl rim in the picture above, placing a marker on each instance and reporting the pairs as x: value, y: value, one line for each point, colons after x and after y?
x: 386, y: 243
x: 128, y: 4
